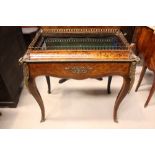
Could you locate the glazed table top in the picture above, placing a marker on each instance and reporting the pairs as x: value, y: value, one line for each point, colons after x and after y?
x: 90, y: 44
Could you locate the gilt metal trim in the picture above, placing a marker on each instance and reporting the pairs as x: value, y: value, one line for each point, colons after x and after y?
x: 80, y: 30
x: 132, y: 74
x: 26, y: 74
x: 38, y: 34
x: 78, y: 70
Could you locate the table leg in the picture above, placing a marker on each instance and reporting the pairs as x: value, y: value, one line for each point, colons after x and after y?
x: 35, y: 93
x: 109, y: 83
x: 151, y: 92
x: 48, y: 84
x: 141, y: 77
x: 124, y: 90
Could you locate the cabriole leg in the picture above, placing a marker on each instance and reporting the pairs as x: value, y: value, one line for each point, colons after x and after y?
x: 31, y: 84
x: 141, y: 77
x: 124, y: 90
x: 151, y: 92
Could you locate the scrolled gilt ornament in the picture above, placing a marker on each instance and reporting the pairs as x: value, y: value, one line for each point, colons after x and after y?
x: 78, y: 70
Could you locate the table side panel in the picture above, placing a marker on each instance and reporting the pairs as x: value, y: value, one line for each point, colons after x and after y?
x: 78, y: 70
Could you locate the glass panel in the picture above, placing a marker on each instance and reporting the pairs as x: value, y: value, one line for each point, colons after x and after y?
x: 102, y: 42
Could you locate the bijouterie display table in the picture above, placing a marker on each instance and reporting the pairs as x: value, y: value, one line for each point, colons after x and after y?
x: 79, y: 53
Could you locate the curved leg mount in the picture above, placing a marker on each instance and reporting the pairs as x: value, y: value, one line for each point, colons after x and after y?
x: 151, y: 92
x: 124, y: 90
x: 109, y: 83
x: 35, y: 93
x: 141, y: 77
x: 48, y: 84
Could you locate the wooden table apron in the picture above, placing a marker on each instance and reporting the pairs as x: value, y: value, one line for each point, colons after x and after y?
x: 79, y: 71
